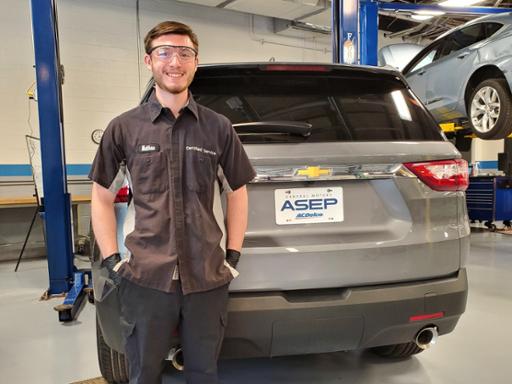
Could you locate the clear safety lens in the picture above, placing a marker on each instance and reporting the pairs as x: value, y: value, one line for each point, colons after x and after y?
x: 166, y: 53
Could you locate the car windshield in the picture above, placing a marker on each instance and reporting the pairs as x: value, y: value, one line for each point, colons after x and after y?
x: 316, y: 107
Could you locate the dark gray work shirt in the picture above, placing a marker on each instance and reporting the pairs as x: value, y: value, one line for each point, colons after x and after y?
x: 175, y: 169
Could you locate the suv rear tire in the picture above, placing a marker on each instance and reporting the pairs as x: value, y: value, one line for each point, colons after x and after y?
x: 113, y: 365
x: 481, y: 117
x: 397, y: 350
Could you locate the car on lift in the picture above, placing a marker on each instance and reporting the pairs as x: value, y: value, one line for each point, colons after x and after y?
x: 358, y: 230
x: 465, y: 76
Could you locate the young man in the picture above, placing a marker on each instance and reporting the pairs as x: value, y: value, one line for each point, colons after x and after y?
x: 175, y: 154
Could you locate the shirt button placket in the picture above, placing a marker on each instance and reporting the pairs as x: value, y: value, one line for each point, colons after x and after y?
x: 177, y: 214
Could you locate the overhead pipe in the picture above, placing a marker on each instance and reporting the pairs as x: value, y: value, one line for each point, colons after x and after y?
x: 394, y: 6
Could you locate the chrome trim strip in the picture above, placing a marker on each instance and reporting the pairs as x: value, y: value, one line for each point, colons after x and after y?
x: 266, y: 174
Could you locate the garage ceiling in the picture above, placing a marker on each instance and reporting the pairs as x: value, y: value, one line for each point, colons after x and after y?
x: 315, y: 15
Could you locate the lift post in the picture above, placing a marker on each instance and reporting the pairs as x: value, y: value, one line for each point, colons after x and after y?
x: 56, y: 197
x: 345, y: 31
x: 369, y: 34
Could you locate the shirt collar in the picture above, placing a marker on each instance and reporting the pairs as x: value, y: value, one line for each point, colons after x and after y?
x: 156, y: 109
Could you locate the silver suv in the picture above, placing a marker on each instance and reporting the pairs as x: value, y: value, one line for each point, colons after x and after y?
x: 358, y: 228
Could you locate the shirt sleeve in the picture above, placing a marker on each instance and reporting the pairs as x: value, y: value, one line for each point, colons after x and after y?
x: 108, y: 167
x: 235, y: 163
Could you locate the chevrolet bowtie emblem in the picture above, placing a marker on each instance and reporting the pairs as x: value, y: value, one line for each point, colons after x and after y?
x: 314, y: 172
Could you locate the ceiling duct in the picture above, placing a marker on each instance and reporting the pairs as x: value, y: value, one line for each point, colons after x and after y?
x: 281, y: 25
x: 283, y: 9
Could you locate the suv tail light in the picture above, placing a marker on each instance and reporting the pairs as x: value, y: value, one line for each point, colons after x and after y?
x: 442, y: 175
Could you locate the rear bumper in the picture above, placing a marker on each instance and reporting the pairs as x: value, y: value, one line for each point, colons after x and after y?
x: 285, y: 323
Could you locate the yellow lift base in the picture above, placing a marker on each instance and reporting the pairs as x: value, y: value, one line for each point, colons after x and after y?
x: 452, y: 128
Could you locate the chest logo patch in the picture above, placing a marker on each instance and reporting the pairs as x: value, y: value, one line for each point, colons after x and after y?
x: 145, y: 148
x: 200, y: 149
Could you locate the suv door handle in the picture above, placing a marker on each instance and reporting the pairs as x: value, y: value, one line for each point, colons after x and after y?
x: 421, y: 72
x: 463, y: 55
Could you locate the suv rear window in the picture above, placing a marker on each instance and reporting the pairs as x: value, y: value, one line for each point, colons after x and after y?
x: 335, y: 108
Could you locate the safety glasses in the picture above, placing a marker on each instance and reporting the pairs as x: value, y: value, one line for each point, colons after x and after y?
x: 166, y: 52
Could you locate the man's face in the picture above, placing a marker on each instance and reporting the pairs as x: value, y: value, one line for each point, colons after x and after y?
x: 172, y: 73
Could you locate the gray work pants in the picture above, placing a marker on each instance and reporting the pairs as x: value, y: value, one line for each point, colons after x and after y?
x: 150, y: 317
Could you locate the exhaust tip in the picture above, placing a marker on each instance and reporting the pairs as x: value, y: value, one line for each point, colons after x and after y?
x: 426, y: 337
x: 176, y: 355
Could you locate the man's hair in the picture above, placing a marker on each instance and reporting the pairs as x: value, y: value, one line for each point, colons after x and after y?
x: 167, y: 28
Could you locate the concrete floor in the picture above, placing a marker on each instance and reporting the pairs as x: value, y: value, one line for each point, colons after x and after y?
x: 36, y: 348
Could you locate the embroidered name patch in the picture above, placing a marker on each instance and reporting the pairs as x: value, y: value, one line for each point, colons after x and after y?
x: 145, y: 148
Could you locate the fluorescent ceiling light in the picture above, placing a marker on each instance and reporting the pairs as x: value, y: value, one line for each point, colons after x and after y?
x: 459, y: 3
x: 421, y: 17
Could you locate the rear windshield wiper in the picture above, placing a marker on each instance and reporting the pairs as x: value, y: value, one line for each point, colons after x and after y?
x: 298, y: 128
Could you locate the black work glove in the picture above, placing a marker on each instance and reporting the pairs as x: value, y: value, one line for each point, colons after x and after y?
x: 232, y: 257
x: 109, y: 263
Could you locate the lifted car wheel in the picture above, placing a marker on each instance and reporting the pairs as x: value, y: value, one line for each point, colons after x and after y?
x: 490, y: 110
x: 397, y: 350
x: 113, y: 365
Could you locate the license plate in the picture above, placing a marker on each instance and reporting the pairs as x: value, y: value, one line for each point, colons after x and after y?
x: 309, y: 205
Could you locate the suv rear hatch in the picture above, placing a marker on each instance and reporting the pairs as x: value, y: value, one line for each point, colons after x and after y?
x: 337, y: 201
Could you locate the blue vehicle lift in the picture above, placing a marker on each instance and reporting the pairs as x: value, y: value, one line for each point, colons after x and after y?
x: 355, y: 37
x: 63, y: 275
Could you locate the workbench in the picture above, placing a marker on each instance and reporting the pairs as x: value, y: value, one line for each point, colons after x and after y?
x: 25, y: 201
